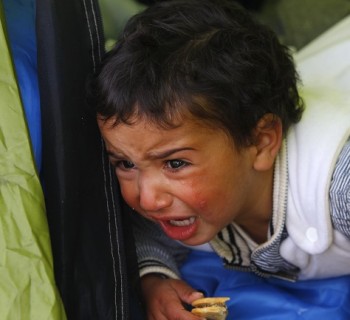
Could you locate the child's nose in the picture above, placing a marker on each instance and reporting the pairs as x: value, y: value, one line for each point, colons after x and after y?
x: 153, y: 193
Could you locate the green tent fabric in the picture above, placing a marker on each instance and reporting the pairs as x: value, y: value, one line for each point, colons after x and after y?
x: 27, y: 285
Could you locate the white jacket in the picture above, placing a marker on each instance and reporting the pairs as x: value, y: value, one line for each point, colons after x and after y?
x: 313, y: 149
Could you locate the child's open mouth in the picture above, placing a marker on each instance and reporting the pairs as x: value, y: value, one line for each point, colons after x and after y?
x: 182, y: 223
x: 180, y: 229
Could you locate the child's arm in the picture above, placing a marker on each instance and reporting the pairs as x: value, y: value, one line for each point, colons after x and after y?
x: 159, y: 257
x: 156, y: 253
x: 165, y: 298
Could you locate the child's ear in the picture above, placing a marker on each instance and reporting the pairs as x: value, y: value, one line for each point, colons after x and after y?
x: 268, y: 140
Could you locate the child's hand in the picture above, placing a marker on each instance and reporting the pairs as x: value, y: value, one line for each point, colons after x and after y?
x: 165, y: 298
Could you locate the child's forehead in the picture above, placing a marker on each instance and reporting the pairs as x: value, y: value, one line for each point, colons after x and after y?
x: 181, y: 120
x: 190, y: 112
x: 185, y: 123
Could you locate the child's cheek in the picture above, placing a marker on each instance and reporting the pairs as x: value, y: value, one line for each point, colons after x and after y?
x: 196, y: 194
x: 129, y: 195
x: 202, y: 204
x: 199, y: 200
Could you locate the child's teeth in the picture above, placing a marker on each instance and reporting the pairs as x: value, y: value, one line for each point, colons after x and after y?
x: 181, y: 223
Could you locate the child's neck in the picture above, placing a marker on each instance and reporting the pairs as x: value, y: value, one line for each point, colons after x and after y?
x: 256, y: 223
x: 257, y: 230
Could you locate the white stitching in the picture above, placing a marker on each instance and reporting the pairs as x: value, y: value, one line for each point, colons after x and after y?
x: 103, y: 164
x: 91, y: 38
x: 109, y: 227
x: 113, y: 203
x: 117, y: 242
x: 98, y: 39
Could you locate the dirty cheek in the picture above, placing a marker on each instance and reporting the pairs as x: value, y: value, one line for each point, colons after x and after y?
x: 197, y: 194
x: 199, y: 201
x: 202, y: 204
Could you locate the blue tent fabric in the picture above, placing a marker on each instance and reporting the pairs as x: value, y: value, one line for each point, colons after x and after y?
x: 20, y: 21
x: 253, y: 297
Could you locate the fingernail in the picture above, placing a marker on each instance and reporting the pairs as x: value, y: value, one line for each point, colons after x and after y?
x: 197, y: 295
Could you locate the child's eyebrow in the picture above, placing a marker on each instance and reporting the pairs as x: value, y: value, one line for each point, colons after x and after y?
x: 114, y: 154
x: 153, y: 155
x: 167, y: 153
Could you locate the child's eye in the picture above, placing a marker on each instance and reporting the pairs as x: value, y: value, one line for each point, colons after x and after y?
x: 125, y: 164
x: 176, y: 164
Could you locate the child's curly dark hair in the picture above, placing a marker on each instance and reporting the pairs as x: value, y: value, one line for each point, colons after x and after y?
x: 205, y: 58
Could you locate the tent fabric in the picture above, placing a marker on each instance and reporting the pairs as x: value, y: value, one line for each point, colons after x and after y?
x: 27, y: 285
x: 92, y: 244
x: 20, y: 22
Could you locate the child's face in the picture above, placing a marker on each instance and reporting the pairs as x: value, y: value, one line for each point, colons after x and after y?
x: 191, y: 180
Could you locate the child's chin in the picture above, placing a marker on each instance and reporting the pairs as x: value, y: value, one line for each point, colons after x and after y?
x: 196, y: 241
